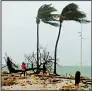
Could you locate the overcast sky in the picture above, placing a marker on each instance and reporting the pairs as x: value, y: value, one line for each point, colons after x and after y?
x: 19, y: 32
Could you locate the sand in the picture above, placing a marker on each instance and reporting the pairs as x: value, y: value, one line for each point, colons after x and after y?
x: 36, y: 83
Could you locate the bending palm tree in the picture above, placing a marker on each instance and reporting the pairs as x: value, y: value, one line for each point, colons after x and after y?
x: 45, y: 15
x: 70, y: 12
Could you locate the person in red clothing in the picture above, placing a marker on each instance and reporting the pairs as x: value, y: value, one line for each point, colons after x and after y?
x: 23, y: 66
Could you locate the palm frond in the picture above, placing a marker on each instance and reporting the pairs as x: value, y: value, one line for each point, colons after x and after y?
x: 55, y: 15
x: 51, y: 23
x: 45, y: 9
x: 74, y: 14
x: 80, y: 20
x: 84, y: 21
x: 46, y: 15
x: 71, y: 12
x: 70, y: 7
x: 50, y: 17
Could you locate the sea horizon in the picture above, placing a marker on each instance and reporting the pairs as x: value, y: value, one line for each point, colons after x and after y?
x: 61, y: 66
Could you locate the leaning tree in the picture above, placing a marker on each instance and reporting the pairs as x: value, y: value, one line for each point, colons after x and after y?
x: 45, y: 14
x: 69, y: 13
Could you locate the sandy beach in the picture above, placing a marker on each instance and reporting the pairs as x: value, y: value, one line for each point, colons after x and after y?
x: 32, y: 82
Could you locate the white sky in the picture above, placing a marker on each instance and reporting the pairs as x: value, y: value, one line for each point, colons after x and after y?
x: 19, y: 32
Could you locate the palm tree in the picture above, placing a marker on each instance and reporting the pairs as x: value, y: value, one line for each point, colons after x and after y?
x: 45, y: 15
x: 70, y: 12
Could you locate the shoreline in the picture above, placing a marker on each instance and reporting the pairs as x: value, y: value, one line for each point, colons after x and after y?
x: 86, y: 70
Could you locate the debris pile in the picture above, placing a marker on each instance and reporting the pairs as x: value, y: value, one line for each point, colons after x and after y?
x: 8, y: 82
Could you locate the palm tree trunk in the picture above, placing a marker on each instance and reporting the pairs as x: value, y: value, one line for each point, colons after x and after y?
x: 37, y: 48
x: 55, y: 53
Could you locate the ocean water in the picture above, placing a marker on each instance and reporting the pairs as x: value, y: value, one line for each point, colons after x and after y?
x: 85, y: 70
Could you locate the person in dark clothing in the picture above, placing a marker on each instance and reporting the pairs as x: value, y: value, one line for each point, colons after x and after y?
x: 77, y: 78
x: 32, y: 65
x: 44, y: 68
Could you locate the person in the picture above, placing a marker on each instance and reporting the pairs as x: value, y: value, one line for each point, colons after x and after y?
x: 23, y: 66
x: 77, y: 78
x: 44, y: 69
x: 32, y: 65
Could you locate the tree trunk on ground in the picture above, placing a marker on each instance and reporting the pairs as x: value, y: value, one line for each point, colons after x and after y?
x: 55, y: 53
